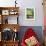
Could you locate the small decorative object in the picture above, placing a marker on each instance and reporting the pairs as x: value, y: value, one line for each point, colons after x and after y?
x: 0, y: 36
x: 15, y: 30
x: 13, y: 12
x: 15, y: 3
x: 0, y: 12
x: 6, y: 21
x: 7, y: 34
x: 0, y: 19
x: 5, y: 12
x: 30, y: 13
x: 15, y: 37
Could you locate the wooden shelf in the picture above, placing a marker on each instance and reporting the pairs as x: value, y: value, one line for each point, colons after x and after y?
x: 6, y: 12
x: 9, y: 43
x: 3, y: 8
x: 11, y: 26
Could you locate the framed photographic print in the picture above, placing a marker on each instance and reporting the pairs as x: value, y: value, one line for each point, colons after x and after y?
x: 30, y: 13
x: 5, y: 12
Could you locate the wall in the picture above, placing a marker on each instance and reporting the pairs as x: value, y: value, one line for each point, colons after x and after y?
x: 37, y: 4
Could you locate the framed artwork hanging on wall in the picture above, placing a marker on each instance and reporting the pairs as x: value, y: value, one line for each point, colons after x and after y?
x: 30, y: 13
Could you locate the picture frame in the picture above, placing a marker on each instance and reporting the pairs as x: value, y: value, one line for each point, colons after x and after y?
x: 5, y: 12
x: 30, y: 13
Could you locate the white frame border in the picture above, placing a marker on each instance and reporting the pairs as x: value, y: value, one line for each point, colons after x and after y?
x: 34, y: 13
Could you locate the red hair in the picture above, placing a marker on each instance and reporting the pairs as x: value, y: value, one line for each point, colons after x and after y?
x: 29, y: 33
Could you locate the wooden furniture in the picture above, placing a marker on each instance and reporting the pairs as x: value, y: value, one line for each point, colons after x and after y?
x: 5, y: 12
x: 0, y: 43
